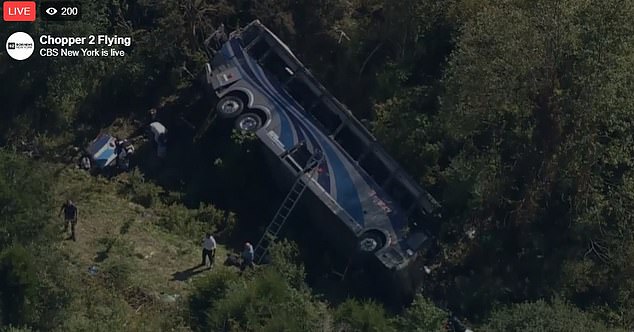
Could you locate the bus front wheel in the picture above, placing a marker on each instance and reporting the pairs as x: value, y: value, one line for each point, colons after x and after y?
x: 230, y: 107
x: 248, y: 122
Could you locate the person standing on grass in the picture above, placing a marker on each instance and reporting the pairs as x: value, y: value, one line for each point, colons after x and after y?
x: 70, y: 217
x: 159, y: 133
x: 247, y: 256
x: 209, y: 250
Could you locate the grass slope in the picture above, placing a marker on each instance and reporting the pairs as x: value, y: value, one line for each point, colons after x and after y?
x: 141, y: 268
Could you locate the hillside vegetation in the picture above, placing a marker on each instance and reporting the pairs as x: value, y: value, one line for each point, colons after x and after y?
x: 516, y: 115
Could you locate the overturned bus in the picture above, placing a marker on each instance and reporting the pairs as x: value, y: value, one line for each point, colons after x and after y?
x: 360, y: 198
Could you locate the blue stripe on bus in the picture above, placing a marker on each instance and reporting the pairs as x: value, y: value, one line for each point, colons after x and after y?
x: 296, y: 122
x: 239, y: 52
x: 347, y: 194
x: 324, y: 165
x: 352, y: 206
x: 396, y: 218
x: 323, y: 178
x: 286, y: 133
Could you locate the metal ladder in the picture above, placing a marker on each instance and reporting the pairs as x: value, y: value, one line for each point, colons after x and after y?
x: 287, y: 206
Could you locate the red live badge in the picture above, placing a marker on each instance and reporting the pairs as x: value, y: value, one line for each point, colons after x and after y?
x: 18, y: 11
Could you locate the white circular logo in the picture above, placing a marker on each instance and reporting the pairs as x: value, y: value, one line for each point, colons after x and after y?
x: 20, y: 46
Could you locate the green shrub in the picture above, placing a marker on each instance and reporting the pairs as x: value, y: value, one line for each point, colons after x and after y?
x: 117, y: 273
x: 15, y: 329
x: 543, y: 316
x: 285, y: 260
x: 265, y: 302
x: 422, y: 316
x: 208, y: 291
x: 18, y: 286
x: 193, y: 223
x: 139, y: 191
x: 24, y: 200
x: 354, y: 315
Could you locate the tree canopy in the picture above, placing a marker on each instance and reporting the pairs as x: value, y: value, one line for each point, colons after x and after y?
x: 516, y: 115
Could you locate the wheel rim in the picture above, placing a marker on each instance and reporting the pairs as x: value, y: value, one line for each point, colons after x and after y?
x: 249, y: 123
x: 368, y: 244
x: 230, y: 106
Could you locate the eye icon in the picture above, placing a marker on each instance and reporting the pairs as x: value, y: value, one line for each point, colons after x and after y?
x: 51, y: 11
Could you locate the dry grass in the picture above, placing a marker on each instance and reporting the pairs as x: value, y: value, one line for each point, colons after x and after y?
x: 112, y: 230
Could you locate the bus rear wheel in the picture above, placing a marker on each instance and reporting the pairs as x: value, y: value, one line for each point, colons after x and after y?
x: 248, y: 122
x: 230, y: 107
x: 371, y: 241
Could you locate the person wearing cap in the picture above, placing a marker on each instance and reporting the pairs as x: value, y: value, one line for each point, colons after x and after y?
x: 247, y: 256
x: 209, y: 250
x: 70, y: 217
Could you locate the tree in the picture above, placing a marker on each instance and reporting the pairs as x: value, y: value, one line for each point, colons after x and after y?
x: 558, y: 316
x: 368, y: 316
x: 274, y: 299
x: 422, y: 316
x: 18, y: 287
x: 24, y: 200
x: 537, y: 110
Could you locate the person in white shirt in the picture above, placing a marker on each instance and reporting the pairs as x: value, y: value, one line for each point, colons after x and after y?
x: 209, y: 250
x: 160, y: 138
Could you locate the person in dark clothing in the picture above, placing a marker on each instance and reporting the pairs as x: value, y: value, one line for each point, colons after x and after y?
x: 247, y: 256
x: 70, y: 217
x: 215, y: 41
x: 124, y: 150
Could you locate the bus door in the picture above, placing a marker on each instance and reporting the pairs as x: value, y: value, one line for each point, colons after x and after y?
x: 298, y: 157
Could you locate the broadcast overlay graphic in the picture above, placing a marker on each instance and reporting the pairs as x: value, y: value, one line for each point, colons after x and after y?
x: 22, y: 43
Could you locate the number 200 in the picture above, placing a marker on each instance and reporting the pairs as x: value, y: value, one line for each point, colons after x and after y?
x: 70, y: 11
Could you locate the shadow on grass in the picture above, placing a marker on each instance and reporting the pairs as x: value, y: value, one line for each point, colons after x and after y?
x: 187, y: 274
x: 102, y: 255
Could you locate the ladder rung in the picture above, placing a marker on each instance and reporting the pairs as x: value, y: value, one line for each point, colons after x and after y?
x: 286, y: 208
x: 276, y: 226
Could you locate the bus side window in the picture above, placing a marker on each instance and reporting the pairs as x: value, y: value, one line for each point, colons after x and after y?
x: 302, y: 94
x: 328, y: 119
x: 248, y: 36
x: 375, y: 168
x: 350, y: 142
x: 274, y: 65
x: 258, y: 50
x: 400, y: 194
